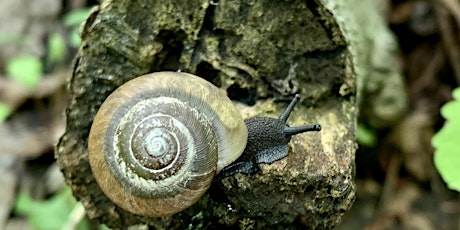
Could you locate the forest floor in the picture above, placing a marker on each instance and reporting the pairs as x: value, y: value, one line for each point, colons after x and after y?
x: 398, y: 184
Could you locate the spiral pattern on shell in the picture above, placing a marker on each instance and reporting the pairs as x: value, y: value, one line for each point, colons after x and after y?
x: 158, y: 140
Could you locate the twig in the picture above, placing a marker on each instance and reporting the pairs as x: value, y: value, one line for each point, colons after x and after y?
x: 389, y: 185
x: 449, y: 40
x: 454, y: 7
x: 425, y: 78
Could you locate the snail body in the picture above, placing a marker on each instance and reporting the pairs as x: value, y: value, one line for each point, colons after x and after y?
x: 158, y: 141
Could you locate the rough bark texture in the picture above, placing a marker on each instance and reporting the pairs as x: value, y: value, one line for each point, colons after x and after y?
x: 261, y: 53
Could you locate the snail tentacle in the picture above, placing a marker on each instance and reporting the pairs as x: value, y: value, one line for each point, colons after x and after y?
x: 268, y: 140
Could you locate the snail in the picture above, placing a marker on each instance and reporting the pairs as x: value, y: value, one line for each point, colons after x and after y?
x: 158, y: 141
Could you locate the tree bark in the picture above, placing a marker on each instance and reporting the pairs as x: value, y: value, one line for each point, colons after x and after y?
x: 261, y: 53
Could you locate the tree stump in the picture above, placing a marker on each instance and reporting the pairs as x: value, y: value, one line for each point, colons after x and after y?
x: 261, y: 53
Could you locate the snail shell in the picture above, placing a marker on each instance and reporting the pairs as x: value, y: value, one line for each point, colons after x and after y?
x: 158, y: 140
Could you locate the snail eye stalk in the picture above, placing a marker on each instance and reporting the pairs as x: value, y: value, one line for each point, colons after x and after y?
x: 268, y: 140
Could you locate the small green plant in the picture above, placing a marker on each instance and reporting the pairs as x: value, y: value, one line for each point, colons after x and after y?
x: 5, y: 111
x: 73, y: 20
x: 49, y: 214
x: 53, y: 213
x: 56, y: 49
x: 366, y: 136
x: 26, y: 69
x: 447, y: 143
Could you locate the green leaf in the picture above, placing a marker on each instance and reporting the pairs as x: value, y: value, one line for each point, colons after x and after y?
x: 103, y: 227
x: 76, y: 17
x: 74, y: 38
x: 25, y: 69
x: 5, y: 111
x: 56, y: 48
x: 450, y: 111
x: 49, y: 214
x: 447, y: 143
x: 365, y: 136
